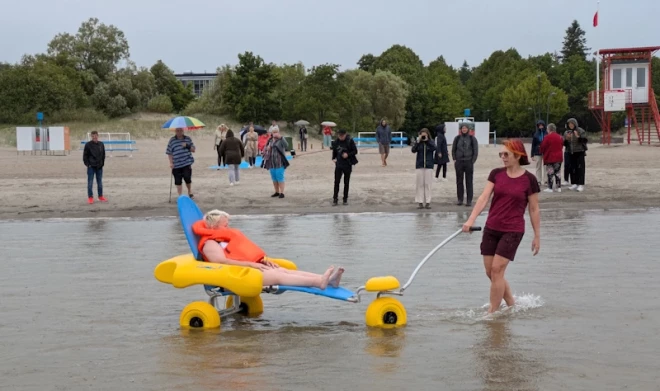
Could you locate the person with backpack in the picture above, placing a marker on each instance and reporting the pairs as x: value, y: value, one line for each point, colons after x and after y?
x: 464, y: 152
x: 343, y: 155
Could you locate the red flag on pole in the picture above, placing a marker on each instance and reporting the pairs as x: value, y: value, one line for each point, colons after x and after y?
x: 596, y: 19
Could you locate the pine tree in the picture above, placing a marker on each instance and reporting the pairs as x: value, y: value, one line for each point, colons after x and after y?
x: 465, y: 72
x: 575, y: 42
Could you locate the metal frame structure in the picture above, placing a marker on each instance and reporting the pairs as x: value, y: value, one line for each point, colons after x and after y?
x: 398, y: 141
x: 649, y: 111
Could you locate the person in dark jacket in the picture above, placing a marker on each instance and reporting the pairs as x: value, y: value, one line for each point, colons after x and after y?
x: 537, y: 157
x: 232, y: 152
x: 425, y: 148
x: 343, y: 155
x: 464, y: 151
x: 302, y: 132
x: 94, y: 160
x: 441, y: 153
x: 384, y: 140
x: 575, y: 140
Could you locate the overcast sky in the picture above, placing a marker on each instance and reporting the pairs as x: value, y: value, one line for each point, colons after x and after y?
x: 200, y: 35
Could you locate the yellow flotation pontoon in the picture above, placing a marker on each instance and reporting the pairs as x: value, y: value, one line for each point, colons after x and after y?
x: 243, y: 286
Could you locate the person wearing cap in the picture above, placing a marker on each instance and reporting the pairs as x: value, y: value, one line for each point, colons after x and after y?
x: 464, y: 151
x: 343, y: 155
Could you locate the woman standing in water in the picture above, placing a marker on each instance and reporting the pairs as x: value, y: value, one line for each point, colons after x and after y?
x: 513, y: 189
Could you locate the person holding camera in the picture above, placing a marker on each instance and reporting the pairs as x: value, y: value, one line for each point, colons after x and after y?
x: 343, y: 155
x: 425, y: 148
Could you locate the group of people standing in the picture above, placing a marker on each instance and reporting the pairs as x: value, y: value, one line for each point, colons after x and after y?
x: 550, y: 150
x: 434, y: 153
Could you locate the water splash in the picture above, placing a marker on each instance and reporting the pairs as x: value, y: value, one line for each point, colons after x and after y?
x: 524, y: 303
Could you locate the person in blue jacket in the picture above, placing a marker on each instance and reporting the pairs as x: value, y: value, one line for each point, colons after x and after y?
x: 537, y: 156
x: 425, y: 148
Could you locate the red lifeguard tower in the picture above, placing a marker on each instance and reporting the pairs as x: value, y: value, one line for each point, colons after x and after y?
x: 627, y: 77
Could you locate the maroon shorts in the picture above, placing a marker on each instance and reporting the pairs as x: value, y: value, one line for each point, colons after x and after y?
x: 504, y: 244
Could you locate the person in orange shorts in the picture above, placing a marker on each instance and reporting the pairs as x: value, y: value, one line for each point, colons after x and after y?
x: 220, y: 244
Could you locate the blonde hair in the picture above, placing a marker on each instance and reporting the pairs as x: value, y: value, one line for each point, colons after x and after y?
x: 215, y: 218
x: 221, y: 127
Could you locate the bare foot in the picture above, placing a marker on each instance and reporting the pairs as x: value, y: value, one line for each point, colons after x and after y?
x: 325, y: 278
x: 336, y: 277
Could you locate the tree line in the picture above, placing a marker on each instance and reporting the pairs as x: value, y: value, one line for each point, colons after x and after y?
x: 80, y: 76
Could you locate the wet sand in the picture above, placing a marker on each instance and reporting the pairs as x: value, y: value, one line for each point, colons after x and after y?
x: 617, y: 177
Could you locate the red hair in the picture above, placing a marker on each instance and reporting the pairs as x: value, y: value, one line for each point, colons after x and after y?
x: 517, y: 148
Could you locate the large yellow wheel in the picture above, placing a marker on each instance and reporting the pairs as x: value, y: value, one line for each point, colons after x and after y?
x: 199, y: 315
x: 250, y: 306
x: 386, y: 312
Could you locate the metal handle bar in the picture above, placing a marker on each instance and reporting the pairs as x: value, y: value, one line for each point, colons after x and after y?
x: 438, y: 247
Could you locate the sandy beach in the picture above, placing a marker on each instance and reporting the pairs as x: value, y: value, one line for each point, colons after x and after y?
x: 40, y: 186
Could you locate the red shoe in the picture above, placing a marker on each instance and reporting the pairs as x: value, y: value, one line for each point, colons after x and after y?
x: 90, y: 200
x: 103, y: 199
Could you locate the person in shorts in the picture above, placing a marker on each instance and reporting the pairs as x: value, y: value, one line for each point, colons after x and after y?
x: 513, y: 189
x: 384, y: 139
x: 179, y: 150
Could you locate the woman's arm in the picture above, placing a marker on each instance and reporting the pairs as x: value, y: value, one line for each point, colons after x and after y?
x: 214, y: 254
x: 535, y: 213
x: 480, y: 204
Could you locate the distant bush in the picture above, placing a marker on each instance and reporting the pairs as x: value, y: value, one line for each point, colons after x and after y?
x: 160, y: 104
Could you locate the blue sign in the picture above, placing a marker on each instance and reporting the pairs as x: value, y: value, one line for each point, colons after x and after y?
x: 467, y: 112
x: 40, y: 116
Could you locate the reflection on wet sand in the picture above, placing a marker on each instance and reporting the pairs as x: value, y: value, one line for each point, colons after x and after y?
x: 205, y: 359
x: 502, y: 364
x: 385, y: 343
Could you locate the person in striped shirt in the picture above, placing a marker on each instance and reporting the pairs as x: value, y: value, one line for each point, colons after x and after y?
x: 179, y: 150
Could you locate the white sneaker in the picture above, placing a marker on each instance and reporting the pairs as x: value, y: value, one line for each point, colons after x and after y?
x: 558, y: 190
x: 231, y: 184
x: 573, y: 187
x: 547, y: 190
x: 580, y: 188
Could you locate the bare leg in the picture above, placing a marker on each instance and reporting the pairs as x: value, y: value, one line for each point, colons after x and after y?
x: 508, y: 296
x: 189, y: 186
x: 335, y: 277
x: 276, y: 277
x: 276, y: 187
x: 178, y: 189
x: 498, y: 283
x: 281, y: 186
x: 299, y: 272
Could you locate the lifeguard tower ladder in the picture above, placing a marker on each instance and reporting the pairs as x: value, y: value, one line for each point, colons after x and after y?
x: 627, y: 76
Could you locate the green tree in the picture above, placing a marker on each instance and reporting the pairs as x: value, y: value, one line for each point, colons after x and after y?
x: 96, y: 47
x: 576, y: 77
x: 366, y: 62
x: 488, y: 82
x: 465, y: 73
x: 42, y: 86
x: 167, y: 84
x: 655, y: 83
x: 575, y: 42
x: 249, y: 93
x: 389, y: 96
x: 354, y: 100
x: 319, y: 93
x: 289, y: 89
x: 405, y: 63
x: 516, y: 101
x: 447, y: 96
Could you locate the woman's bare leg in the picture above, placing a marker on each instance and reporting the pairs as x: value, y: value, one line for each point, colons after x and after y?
x: 508, y: 296
x: 498, y: 283
x: 276, y: 277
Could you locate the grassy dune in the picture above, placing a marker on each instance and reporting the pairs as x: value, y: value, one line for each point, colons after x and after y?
x: 140, y: 126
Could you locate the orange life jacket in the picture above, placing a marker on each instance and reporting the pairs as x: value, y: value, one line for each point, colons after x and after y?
x: 239, y: 247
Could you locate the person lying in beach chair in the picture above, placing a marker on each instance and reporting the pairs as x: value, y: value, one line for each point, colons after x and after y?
x: 220, y: 244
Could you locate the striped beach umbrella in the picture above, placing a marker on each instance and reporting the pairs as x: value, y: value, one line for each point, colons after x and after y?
x: 186, y: 123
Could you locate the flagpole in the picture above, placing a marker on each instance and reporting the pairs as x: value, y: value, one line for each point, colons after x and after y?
x: 597, y: 56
